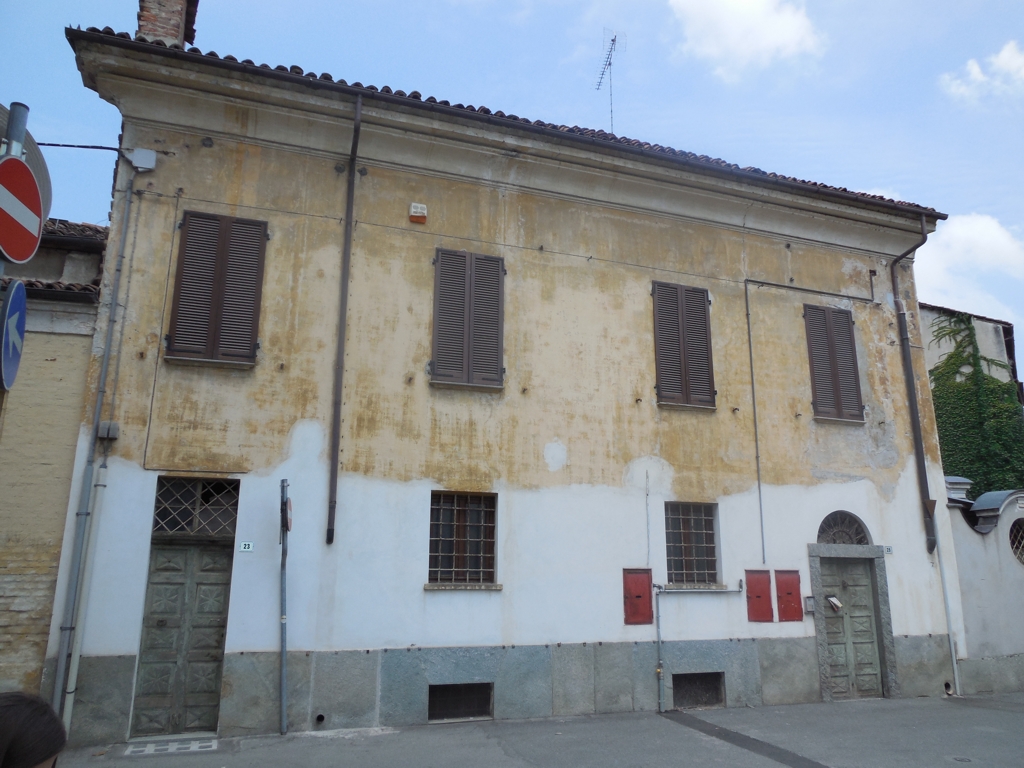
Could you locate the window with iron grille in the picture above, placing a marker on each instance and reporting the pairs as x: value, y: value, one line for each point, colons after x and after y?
x: 196, y: 507
x: 462, y: 537
x: 215, y: 314
x: 690, y: 541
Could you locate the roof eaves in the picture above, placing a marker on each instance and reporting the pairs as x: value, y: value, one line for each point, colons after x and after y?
x: 595, y: 138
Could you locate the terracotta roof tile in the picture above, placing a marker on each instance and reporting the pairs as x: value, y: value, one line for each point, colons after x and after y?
x: 65, y: 228
x: 589, y: 133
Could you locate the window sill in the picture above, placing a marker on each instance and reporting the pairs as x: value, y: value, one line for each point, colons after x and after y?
x: 463, y: 385
x: 204, y: 363
x: 834, y: 420
x: 719, y: 588
x: 446, y: 587
x: 687, y: 407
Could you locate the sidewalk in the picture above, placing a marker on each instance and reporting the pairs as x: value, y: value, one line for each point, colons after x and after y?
x: 909, y: 733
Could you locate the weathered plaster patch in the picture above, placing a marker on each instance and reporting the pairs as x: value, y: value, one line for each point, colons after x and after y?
x: 556, y: 455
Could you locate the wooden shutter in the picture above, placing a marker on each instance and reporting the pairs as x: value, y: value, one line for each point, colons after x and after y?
x: 243, y: 283
x: 682, y: 345
x: 700, y: 380
x: 451, y: 317
x: 787, y: 593
x: 193, y: 296
x: 668, y: 346
x: 216, y: 309
x: 835, y: 381
x: 485, y: 321
x: 848, y: 379
x: 823, y: 383
x: 637, y: 590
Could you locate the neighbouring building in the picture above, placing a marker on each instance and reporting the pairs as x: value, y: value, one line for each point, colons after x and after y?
x: 40, y: 436
x: 516, y: 375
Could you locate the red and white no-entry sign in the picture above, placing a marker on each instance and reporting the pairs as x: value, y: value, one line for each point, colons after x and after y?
x: 21, y: 210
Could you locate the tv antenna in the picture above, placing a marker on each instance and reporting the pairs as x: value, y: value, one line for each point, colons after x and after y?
x: 606, y: 69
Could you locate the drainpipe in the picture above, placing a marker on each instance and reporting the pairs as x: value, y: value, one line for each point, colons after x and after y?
x: 928, y: 504
x: 67, y: 628
x: 661, y: 665
x: 286, y: 525
x: 339, y: 362
x: 83, y: 604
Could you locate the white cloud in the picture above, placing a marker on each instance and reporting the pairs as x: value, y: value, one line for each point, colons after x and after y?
x: 961, y: 262
x: 737, y: 34
x: 1002, y: 75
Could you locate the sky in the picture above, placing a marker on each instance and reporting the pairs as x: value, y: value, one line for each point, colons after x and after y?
x: 918, y: 100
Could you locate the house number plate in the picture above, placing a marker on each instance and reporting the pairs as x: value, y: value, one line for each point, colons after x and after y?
x: 245, y: 546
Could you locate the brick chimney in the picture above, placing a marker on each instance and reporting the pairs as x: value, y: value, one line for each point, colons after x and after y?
x: 171, y: 22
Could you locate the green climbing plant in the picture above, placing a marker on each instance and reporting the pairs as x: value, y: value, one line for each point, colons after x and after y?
x: 980, y: 421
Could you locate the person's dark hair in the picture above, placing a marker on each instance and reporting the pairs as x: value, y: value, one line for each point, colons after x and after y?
x: 30, y: 731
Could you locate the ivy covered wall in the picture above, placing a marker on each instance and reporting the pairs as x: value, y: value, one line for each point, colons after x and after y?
x: 980, y: 421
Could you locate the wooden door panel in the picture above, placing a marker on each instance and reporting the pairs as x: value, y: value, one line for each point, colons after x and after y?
x: 851, y: 632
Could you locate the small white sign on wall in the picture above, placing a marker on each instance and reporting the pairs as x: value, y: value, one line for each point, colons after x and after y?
x: 888, y: 550
x: 245, y: 546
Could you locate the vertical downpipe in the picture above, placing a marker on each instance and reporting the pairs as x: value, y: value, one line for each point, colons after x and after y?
x: 284, y: 607
x: 753, y: 401
x: 661, y: 664
x: 339, y: 363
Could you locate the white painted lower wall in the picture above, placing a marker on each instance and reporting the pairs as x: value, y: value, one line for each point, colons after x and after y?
x: 560, y: 555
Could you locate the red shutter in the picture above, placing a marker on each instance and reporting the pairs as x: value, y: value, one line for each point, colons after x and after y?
x: 823, y: 389
x: 759, y: 596
x: 787, y: 590
x: 243, y: 283
x: 637, y: 589
x: 700, y: 381
x: 485, y: 321
x: 193, y: 297
x: 668, y: 348
x: 848, y: 380
x: 451, y: 317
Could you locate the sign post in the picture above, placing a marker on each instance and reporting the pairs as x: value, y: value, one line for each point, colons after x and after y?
x: 12, y: 332
x: 21, y: 204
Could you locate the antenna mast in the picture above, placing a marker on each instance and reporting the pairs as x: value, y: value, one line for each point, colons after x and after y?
x: 606, y: 68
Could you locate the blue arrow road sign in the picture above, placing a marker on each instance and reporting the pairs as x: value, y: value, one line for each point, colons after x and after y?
x: 12, y: 332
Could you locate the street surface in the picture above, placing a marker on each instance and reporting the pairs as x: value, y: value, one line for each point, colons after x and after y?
x: 909, y: 733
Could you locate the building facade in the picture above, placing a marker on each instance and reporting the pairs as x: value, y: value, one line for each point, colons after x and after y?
x: 584, y: 387
x: 39, y: 438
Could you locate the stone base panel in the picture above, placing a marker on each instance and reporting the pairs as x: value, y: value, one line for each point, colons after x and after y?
x: 389, y: 687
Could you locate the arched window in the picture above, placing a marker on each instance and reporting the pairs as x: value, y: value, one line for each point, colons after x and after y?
x: 1017, y: 538
x: 842, y: 528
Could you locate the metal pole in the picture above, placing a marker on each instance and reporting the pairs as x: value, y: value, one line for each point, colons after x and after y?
x: 17, y: 121
x: 81, y: 516
x: 284, y: 607
x: 661, y: 664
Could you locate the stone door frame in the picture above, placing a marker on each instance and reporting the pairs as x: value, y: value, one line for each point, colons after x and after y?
x: 875, y: 555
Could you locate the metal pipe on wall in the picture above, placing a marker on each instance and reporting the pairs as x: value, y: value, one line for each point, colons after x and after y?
x: 85, y: 496
x: 339, y: 363
x: 661, y: 664
x: 285, y: 524
x: 927, y: 503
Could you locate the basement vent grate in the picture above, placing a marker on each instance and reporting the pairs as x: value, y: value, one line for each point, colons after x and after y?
x: 170, y: 747
x: 701, y: 689
x: 456, y: 702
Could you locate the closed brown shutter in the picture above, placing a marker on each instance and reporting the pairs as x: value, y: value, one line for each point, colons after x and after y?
x: 835, y: 382
x: 216, y: 307
x: 451, y: 317
x: 243, y: 281
x: 682, y: 345
x: 850, y: 405
x: 193, y: 298
x: 700, y: 380
x: 668, y: 347
x: 485, y: 321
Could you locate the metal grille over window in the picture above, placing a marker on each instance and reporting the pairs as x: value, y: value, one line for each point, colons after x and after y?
x: 1017, y: 538
x: 192, y: 507
x: 462, y: 538
x: 842, y: 528
x: 690, y: 541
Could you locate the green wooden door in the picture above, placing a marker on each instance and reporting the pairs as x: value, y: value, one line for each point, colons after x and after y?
x: 851, y: 630
x: 177, y: 688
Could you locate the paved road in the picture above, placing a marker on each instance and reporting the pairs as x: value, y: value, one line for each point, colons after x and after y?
x: 908, y: 733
